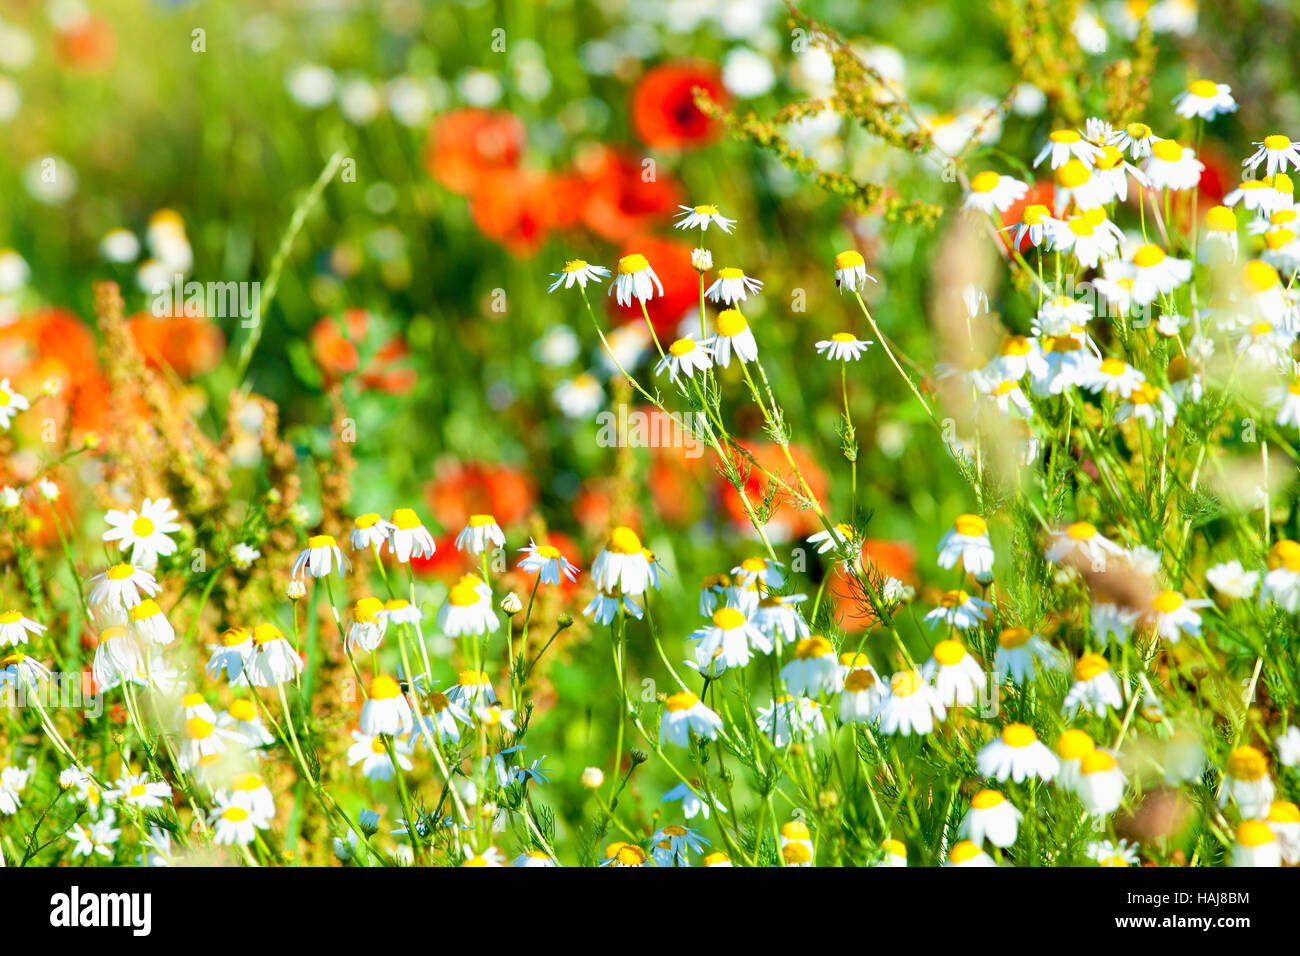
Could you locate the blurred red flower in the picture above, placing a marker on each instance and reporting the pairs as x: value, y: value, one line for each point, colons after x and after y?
x: 53, y: 343
x: 189, y: 345
x: 894, y: 558
x: 519, y: 208
x: 460, y: 489
x: 334, y: 346
x: 1040, y: 193
x: 671, y: 261
x: 466, y: 145
x: 87, y: 44
x: 786, y: 518
x: 622, y: 198
x: 664, y: 113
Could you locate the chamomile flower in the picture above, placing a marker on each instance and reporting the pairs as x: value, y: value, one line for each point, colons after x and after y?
x: 1065, y: 146
x: 992, y: 818
x: 967, y: 542
x: 840, y: 537
x: 777, y: 617
x: 1206, y: 99
x: 966, y: 854
x: 1018, y: 754
x: 622, y: 564
x: 21, y: 672
x: 444, y: 718
x: 118, y: 658
x: 547, y: 563
x: 716, y: 859
x: 386, y: 710
x: 685, y: 357
x: 1288, y: 747
x: 481, y: 533
x: 1277, y: 152
x: 1256, y: 845
x: 732, y: 335
x: 730, y: 634
x: 145, y: 532
x: 1172, y: 166
x: 851, y: 271
x: 1076, y: 185
x: 322, y: 556
x: 370, y: 531
x: 1095, y: 689
x: 1008, y: 396
x: 14, y: 628
x: 685, y: 714
x: 701, y: 259
x: 1135, y: 138
x: 473, y: 689
x: 402, y: 611
x: 140, y: 792
x: 813, y: 670
x: 861, y: 695
x: 1106, y: 853
x: 579, y: 397
x: 911, y: 707
x: 1089, y: 235
x: 605, y: 605
x: 369, y: 623
x: 1282, y: 581
x: 577, y: 272
x: 1175, y: 615
x: 992, y: 192
x: 1071, y: 747
x: 1247, y: 783
x: 796, y: 844
x: 232, y: 655
x: 1155, y: 273
x: 1100, y: 783
x: 13, y: 780
x: 1035, y: 220
x: 468, y: 609
x: 1112, y: 174
x: 1284, y: 820
x: 1147, y: 404
x: 534, y: 858
x: 122, y: 586
x: 11, y: 403
x: 619, y: 854
x: 151, y: 624
x: 200, y: 740
x: 759, y: 573
x: 636, y: 280
x: 731, y: 286
x: 1020, y: 653
x: 409, y: 538
x: 274, y: 660
x: 234, y: 824
x: 789, y: 717
x: 1219, y: 235
x: 1062, y: 315
x: 958, y: 609
x: 1232, y: 580
x: 1255, y: 195
x: 843, y: 347
x: 98, y: 839
x: 701, y: 217
x: 893, y: 854
x: 241, y: 721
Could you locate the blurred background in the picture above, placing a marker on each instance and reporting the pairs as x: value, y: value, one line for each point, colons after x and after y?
x: 482, y: 145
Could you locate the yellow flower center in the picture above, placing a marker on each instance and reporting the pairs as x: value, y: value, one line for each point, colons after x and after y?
x: 728, y: 618
x: 1090, y: 666
x: 682, y: 347
x: 796, y: 830
x: 1074, y: 745
x: 965, y: 851
x: 859, y: 679
x: 265, y: 633
x: 1065, y: 136
x: 1277, y: 141
x: 196, y: 728
x: 242, y: 709
x: 1073, y: 174
x: 406, y: 519
x: 472, y: 678
x: 1034, y: 214
x: 623, y: 540
x: 1014, y: 637
x: 730, y: 322
x: 949, y: 653
x: 1221, y: 219
x: 815, y: 646
x: 952, y: 599
x: 843, y: 337
x: 1284, y: 553
x: 850, y: 259
x: 986, y: 800
x: 367, y: 520
x: 1138, y: 130
x: 1279, y: 238
x: 1018, y: 735
x: 321, y: 541
x: 463, y: 595
x: 1097, y: 761
x: 905, y: 683
x: 731, y: 273
x: 575, y: 265
x: 142, y: 527
x: 1167, y: 601
x: 706, y: 210
x: 1254, y: 833
x: 1148, y: 256
x: 119, y: 572
x: 633, y: 263
x: 1204, y: 89
x: 235, y: 814
x: 1082, y: 530
x: 1283, y: 811
x: 384, y: 687
x: 1014, y: 345
x: 681, y: 701
x: 547, y: 551
x: 985, y: 182
x: 366, y: 609
x: 11, y: 617
x: 1168, y: 150
x: 972, y: 526
x: 232, y: 637
x: 1247, y: 763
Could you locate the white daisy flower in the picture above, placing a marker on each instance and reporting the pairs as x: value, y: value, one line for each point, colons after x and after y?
x: 621, y: 565
x: 991, y: 818
x: 685, y: 356
x: 732, y: 634
x: 370, y: 531
x: 684, y: 714
x: 1247, y: 783
x: 636, y: 280
x: 1034, y: 223
x: 121, y: 586
x: 991, y: 192
x: 468, y: 609
x: 547, y: 562
x: 14, y: 628
x: 577, y: 272
x: 274, y: 660
x: 1100, y: 784
x: 1256, y: 844
x: 233, y: 824
x: 1277, y: 153
x: 851, y: 271
x: 692, y: 217
x: 1020, y: 653
x: 409, y: 537
x: 1232, y: 580
x: 731, y: 286
x: 386, y: 710
x: 1135, y: 138
x: 967, y: 542
x: 814, y: 669
x: 1206, y: 99
x: 789, y: 718
x: 1018, y: 754
x: 911, y: 707
x: 321, y: 557
x: 732, y: 335
x: 1066, y: 145
x: 1172, y: 166
x: 145, y: 532
x: 843, y: 347
x: 11, y: 403
x: 1095, y: 689
x: 966, y: 853
x: 482, y: 532
x: 1175, y: 615
x: 232, y: 655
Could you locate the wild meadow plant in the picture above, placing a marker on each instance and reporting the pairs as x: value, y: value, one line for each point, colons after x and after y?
x: 1098, y: 668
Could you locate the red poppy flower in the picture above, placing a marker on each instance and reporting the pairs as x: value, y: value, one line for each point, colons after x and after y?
x: 186, y: 344
x: 467, y: 145
x: 894, y: 558
x: 671, y: 261
x: 334, y: 345
x: 664, y: 113
x: 460, y: 489
x: 620, y: 196
x: 786, y: 516
x: 520, y: 208
x: 54, y: 344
